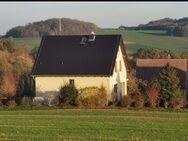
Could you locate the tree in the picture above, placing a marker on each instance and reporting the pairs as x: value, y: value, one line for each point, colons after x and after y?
x: 152, y: 94
x: 33, y: 52
x: 7, y: 83
x: 152, y: 53
x: 132, y: 85
x: 68, y: 95
x: 169, y: 84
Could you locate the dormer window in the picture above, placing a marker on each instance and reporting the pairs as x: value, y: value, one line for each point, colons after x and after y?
x: 84, y: 41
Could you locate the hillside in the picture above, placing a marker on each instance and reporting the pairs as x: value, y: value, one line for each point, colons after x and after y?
x: 133, y: 39
x: 51, y: 27
x: 173, y: 27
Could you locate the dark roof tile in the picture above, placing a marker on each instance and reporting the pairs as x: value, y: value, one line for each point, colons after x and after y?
x: 64, y: 55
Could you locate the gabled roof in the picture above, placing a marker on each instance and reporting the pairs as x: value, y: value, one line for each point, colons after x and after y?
x: 147, y: 69
x: 64, y: 55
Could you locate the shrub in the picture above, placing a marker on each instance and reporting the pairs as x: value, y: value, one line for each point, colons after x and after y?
x: 125, y: 101
x: 11, y: 104
x: 26, y: 103
x: 113, y: 100
x: 55, y: 101
x: 38, y: 101
x: 68, y: 95
x: 177, y: 103
x: 152, y: 95
x: 139, y: 101
x: 92, y: 97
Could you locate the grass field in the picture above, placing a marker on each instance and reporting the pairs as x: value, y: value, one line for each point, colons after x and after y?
x: 89, y: 125
x: 134, y: 40
x: 32, y: 42
x: 151, y: 39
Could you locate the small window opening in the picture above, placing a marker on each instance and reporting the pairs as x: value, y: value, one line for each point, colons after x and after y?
x: 61, y: 62
x: 115, y: 67
x: 115, y: 88
x: 71, y: 81
x: 119, y: 65
x: 84, y: 41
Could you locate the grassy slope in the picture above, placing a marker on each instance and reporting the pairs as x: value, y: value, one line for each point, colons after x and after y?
x: 93, y: 125
x: 31, y: 42
x: 154, y: 39
x: 134, y: 40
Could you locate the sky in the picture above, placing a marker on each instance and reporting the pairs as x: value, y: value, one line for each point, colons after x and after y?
x: 103, y: 14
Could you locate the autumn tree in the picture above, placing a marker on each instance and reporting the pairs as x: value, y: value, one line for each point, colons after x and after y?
x: 15, y: 69
x: 7, y: 85
x: 152, y: 94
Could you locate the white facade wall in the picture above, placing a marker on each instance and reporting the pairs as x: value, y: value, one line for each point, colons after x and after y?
x: 118, y: 76
x: 48, y: 85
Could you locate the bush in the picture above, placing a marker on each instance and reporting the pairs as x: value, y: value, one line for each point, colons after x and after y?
x: 11, y: 104
x: 125, y: 101
x: 113, y: 101
x: 92, y: 97
x: 26, y: 103
x: 55, y: 101
x: 38, y: 101
x: 68, y: 95
x: 139, y: 101
x: 177, y: 103
x: 152, y: 95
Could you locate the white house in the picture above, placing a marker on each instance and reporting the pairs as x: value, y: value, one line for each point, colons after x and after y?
x: 85, y: 60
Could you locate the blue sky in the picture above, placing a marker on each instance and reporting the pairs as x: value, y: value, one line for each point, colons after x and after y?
x: 104, y: 14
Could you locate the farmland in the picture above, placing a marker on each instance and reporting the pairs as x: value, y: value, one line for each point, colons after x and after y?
x: 133, y: 40
x: 150, y: 39
x: 114, y: 125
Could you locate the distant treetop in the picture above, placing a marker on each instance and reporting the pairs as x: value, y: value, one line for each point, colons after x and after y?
x: 51, y: 27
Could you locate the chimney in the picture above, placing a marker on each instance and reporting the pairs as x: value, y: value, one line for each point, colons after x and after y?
x: 92, y: 37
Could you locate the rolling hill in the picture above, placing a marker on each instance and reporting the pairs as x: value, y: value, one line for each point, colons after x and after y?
x: 51, y: 27
x: 175, y: 27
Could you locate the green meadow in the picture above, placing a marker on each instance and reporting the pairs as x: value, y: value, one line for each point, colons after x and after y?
x: 149, y: 39
x: 93, y: 125
x: 133, y: 40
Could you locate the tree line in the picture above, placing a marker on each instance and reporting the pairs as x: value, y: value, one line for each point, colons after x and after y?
x: 51, y: 27
x: 173, y: 27
x: 15, y: 69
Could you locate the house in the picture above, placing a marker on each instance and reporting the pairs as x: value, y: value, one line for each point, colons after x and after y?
x: 148, y: 69
x: 82, y: 60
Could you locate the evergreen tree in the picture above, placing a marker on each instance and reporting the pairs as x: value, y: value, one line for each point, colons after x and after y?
x: 169, y: 83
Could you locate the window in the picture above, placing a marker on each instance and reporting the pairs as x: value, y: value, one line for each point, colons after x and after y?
x: 119, y: 65
x: 115, y: 67
x: 115, y: 88
x: 71, y: 81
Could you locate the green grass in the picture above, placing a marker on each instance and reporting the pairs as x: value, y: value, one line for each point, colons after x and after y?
x: 106, y: 125
x: 133, y: 40
x: 31, y: 42
x: 151, y: 39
